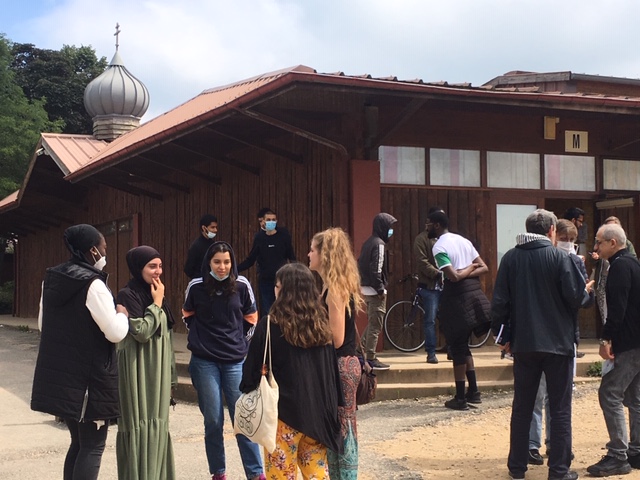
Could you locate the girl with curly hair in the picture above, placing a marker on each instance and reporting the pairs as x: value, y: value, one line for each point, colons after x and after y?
x: 332, y: 257
x: 305, y: 367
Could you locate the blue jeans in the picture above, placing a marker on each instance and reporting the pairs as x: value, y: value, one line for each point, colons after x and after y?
x: 430, y: 302
x: 267, y: 296
x: 535, y: 431
x: 211, y: 380
x: 618, y: 389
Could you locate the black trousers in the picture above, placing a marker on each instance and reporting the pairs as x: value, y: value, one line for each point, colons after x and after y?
x: 85, y: 452
x: 527, y: 369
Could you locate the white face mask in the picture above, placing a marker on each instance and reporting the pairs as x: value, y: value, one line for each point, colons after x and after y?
x: 566, y: 247
x: 211, y: 235
x: 101, y: 263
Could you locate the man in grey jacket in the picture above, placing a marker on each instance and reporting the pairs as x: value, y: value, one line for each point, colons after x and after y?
x: 537, y: 292
x: 373, y: 267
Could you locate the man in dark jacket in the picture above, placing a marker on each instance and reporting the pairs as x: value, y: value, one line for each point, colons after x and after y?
x: 208, y: 231
x: 537, y: 292
x: 373, y: 267
x: 272, y: 248
x: 620, y: 348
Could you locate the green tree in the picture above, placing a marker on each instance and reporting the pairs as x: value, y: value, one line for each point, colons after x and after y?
x: 21, y: 122
x: 59, y: 77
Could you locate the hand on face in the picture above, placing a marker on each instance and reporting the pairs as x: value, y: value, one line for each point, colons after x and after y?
x: 157, y: 291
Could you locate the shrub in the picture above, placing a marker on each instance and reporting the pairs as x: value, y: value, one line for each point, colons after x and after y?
x: 595, y: 370
x: 6, y: 297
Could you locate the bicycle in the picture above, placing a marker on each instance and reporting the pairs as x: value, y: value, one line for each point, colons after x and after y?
x: 403, y: 323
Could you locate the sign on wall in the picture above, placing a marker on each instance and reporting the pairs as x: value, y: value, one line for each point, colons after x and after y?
x: 576, y: 141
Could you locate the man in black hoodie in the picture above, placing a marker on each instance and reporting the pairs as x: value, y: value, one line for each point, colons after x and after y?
x: 373, y: 267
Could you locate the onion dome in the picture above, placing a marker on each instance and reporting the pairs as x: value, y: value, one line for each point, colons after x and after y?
x: 116, y: 100
x: 116, y: 92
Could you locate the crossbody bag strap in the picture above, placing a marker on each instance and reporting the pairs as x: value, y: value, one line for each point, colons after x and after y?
x: 267, y: 345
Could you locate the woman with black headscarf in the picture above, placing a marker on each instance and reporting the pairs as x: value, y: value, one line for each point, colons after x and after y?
x: 146, y: 367
x: 76, y: 371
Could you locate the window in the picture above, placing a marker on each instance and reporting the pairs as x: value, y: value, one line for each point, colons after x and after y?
x: 454, y: 168
x: 569, y: 172
x: 513, y: 170
x: 402, y: 165
x: 621, y: 175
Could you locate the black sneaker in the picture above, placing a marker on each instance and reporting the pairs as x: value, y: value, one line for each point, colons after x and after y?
x: 516, y: 476
x: 634, y: 461
x: 535, y: 458
x: 378, y: 365
x: 432, y: 358
x: 456, y: 404
x: 609, y: 465
x: 473, y: 397
x: 570, y: 475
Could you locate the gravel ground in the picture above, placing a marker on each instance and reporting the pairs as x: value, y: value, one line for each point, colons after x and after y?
x: 403, y: 439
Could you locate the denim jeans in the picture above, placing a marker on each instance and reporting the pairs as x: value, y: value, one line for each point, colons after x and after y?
x: 211, y: 380
x: 527, y: 370
x: 430, y: 301
x: 85, y: 452
x: 376, y: 308
x: 621, y: 388
x: 267, y: 296
x: 535, y: 430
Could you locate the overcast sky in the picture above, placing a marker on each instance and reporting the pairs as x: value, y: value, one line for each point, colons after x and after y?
x: 179, y: 48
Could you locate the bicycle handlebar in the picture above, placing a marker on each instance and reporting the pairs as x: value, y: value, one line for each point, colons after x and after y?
x: 406, y: 278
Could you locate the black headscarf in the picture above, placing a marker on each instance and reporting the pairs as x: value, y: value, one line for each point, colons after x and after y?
x: 136, y: 295
x: 79, y: 239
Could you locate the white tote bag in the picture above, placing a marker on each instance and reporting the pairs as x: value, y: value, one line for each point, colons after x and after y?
x: 256, y: 415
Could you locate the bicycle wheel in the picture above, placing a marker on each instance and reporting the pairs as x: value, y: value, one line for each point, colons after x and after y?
x: 403, y: 326
x: 476, y: 342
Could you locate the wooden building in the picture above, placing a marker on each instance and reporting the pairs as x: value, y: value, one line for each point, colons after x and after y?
x: 330, y: 150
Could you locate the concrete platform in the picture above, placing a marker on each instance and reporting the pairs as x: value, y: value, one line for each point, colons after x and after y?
x: 409, y: 376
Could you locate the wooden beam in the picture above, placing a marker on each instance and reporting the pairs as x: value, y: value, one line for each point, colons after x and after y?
x: 34, y: 212
x: 48, y: 197
x: 125, y: 187
x: 295, y: 130
x: 280, y: 152
x: 183, y: 169
x: 224, y: 159
x: 412, y: 107
x: 137, y: 174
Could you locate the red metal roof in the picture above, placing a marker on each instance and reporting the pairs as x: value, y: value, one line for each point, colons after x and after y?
x: 218, y: 102
x: 9, y: 202
x: 71, y: 152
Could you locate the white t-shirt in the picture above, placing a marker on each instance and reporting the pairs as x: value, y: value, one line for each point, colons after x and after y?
x: 455, y: 250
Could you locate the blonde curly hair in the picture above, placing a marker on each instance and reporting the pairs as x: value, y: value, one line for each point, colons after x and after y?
x: 338, y: 266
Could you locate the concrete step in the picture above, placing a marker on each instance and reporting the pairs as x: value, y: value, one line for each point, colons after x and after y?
x: 411, y: 377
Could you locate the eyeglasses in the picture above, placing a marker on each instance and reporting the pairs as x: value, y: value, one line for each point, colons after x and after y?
x: 598, y: 242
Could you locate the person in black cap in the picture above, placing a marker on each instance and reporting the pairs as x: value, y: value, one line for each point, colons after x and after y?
x: 76, y: 375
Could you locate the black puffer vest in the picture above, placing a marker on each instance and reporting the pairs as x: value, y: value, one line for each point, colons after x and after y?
x: 76, y: 372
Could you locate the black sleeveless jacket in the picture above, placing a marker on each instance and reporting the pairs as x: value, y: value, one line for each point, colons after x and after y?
x: 76, y: 372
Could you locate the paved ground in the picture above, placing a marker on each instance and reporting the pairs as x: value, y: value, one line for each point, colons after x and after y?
x: 403, y: 440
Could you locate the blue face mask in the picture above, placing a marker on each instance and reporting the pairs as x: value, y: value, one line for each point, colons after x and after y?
x: 270, y: 225
x: 220, y: 279
x: 390, y: 233
x: 211, y: 235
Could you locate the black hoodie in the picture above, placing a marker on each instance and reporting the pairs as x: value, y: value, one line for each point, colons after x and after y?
x: 373, y: 261
x: 217, y: 328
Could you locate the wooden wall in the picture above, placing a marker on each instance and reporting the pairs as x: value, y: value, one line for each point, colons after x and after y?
x: 308, y: 197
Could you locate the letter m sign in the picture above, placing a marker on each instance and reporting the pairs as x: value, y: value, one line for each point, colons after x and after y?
x: 576, y: 141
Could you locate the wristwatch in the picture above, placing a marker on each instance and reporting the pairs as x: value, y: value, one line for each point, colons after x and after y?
x: 605, y: 342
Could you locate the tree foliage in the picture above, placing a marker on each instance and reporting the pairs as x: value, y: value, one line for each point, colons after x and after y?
x: 21, y: 122
x: 58, y: 77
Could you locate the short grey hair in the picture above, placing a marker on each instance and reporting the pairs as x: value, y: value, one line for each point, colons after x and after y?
x: 613, y: 231
x: 540, y: 221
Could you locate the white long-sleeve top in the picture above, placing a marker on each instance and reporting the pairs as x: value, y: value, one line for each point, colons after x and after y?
x: 115, y: 326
